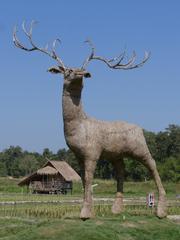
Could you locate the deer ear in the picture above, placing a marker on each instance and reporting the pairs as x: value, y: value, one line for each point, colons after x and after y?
x: 56, y: 70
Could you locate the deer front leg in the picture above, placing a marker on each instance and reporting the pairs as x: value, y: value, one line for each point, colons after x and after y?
x: 87, y: 209
x: 117, y: 206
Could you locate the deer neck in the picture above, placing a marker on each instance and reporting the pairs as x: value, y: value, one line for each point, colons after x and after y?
x: 72, y: 106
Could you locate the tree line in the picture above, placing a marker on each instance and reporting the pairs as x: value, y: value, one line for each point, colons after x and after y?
x: 164, y: 147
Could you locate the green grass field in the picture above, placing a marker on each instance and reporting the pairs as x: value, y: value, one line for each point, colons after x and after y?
x: 116, y: 228
x: 43, y: 220
x: 105, y: 188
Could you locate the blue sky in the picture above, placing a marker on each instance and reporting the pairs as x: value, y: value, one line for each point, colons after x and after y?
x: 30, y: 98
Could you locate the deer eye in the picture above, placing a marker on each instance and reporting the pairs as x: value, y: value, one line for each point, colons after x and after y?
x: 69, y: 72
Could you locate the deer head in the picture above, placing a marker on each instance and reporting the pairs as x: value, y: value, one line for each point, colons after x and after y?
x: 73, y: 74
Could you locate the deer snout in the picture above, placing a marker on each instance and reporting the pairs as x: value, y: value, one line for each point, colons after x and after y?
x: 87, y: 75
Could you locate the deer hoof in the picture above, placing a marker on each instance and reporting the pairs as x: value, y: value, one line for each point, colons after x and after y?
x: 162, y: 209
x: 85, y: 214
x: 117, y: 206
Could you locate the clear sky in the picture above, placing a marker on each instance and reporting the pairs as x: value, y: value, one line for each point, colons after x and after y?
x: 30, y: 98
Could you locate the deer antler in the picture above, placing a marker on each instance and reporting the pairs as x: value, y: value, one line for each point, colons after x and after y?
x: 34, y: 47
x: 115, y: 63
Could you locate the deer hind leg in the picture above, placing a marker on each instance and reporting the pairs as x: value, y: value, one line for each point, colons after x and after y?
x: 117, y: 206
x: 150, y: 163
x: 87, y: 209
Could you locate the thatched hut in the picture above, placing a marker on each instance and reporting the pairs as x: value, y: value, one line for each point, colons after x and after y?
x: 53, y: 177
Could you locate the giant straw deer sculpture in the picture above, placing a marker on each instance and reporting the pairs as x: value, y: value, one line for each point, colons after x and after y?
x: 91, y: 139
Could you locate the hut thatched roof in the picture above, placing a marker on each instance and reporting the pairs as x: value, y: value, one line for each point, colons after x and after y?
x: 53, y: 168
x: 47, y: 171
x: 65, y: 170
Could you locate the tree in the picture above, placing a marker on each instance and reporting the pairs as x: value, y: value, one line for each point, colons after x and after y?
x: 104, y: 169
x: 135, y: 171
x: 62, y: 154
x: 170, y: 170
x: 10, y: 157
x: 162, y: 144
x: 3, y: 170
x: 173, y: 148
x: 28, y: 164
x: 47, y: 153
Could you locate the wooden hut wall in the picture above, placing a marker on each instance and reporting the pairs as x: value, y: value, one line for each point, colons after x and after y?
x: 58, y: 179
